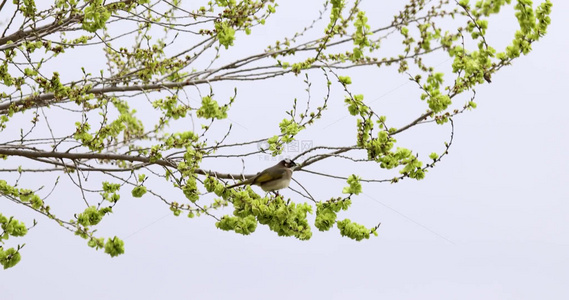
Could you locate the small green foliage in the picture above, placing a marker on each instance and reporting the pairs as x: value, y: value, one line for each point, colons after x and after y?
x: 380, y: 147
x: 92, y: 216
x: 434, y: 156
x: 9, y: 257
x: 355, y: 187
x: 211, y: 110
x: 114, y: 246
x: 97, y: 243
x: 225, y: 3
x: 336, y: 12
x: 110, y: 191
x: 286, y: 219
x: 155, y: 153
x: 36, y: 201
x: 96, y: 16
x: 436, y: 100
x: 82, y: 232
x: 191, y: 190
x: 141, y: 177
x: 353, y: 230
x: 464, y: 3
x: 413, y: 168
x: 289, y: 128
x: 126, y: 124
x: 225, y: 34
x: 326, y: 212
x: 24, y: 195
x: 298, y: 67
x: 325, y: 217
x: 27, y: 7
x: 11, y: 227
x: 360, y: 37
x: 171, y: 108
x: 356, y: 105
x: 181, y: 140
x: 138, y: 191
x: 345, y: 80
x: 82, y: 134
x: 271, y: 9
x: 192, y: 158
x: 275, y: 145
x: 213, y: 185
x: 175, y: 210
x: 244, y: 226
x: 111, y: 187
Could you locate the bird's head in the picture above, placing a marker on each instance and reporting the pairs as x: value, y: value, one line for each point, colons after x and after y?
x: 287, y: 163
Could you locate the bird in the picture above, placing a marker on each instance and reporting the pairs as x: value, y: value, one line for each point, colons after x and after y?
x: 272, y: 179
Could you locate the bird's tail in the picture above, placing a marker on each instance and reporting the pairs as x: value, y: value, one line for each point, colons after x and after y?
x: 235, y: 185
x: 244, y: 182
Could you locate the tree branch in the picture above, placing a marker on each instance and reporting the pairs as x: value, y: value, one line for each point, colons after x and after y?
x: 110, y: 156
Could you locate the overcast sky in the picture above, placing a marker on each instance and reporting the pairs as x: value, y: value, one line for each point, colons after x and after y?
x: 490, y: 222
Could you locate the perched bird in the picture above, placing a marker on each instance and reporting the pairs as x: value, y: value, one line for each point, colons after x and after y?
x: 274, y: 178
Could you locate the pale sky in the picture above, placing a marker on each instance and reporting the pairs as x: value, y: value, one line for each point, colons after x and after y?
x: 491, y: 221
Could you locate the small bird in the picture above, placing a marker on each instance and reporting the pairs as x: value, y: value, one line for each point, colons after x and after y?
x: 274, y: 178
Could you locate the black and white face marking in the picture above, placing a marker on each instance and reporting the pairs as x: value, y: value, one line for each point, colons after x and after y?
x: 288, y: 163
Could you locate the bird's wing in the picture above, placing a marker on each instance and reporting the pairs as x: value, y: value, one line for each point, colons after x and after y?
x: 265, y: 177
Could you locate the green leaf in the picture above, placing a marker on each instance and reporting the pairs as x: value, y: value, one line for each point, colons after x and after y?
x: 138, y: 191
x: 225, y: 34
x: 353, y: 230
x: 114, y: 246
x: 9, y: 258
x: 345, y: 80
x: 211, y: 110
x: 244, y: 226
x: 354, y: 187
x: 92, y: 216
x: 434, y: 156
x: 95, y: 16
